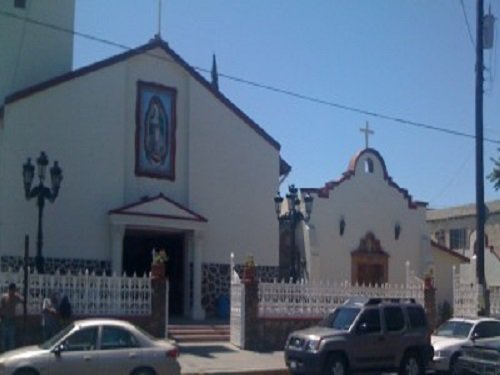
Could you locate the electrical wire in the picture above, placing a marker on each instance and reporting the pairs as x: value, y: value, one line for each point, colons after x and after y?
x: 263, y: 86
x: 453, y: 177
x: 467, y: 25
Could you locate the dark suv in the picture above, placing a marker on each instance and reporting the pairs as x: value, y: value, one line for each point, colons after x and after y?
x: 364, y: 334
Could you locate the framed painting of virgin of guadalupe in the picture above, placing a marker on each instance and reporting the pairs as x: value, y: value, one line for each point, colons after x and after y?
x: 155, y: 131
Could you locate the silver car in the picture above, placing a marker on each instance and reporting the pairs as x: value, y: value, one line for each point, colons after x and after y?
x: 94, y: 347
x: 449, y: 338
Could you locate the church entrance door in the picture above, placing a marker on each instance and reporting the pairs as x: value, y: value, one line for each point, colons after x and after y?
x: 369, y: 262
x: 137, y: 256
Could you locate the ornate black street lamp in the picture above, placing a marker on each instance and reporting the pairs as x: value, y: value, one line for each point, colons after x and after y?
x: 41, y: 193
x: 292, y: 217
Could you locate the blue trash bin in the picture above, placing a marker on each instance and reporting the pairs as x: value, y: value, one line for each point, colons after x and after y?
x: 223, y: 306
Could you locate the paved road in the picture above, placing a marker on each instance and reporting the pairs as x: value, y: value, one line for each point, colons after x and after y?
x: 224, y: 358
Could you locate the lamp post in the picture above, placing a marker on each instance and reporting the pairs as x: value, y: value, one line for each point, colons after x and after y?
x: 41, y: 193
x: 292, y: 217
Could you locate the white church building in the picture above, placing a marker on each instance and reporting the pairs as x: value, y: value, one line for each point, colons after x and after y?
x: 152, y: 156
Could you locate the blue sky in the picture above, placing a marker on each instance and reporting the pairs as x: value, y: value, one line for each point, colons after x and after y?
x: 408, y: 59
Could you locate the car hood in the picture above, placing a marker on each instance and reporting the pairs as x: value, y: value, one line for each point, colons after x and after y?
x: 443, y: 343
x: 318, y: 331
x: 24, y: 352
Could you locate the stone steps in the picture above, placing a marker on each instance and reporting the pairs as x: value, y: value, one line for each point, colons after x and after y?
x: 199, y: 332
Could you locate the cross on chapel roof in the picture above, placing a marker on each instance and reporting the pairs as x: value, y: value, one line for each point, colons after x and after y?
x: 367, y: 132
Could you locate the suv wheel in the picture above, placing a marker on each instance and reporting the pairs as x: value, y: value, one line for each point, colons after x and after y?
x: 411, y: 365
x: 336, y: 365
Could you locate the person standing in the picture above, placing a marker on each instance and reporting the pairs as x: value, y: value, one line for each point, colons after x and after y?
x: 49, y: 316
x: 8, y: 304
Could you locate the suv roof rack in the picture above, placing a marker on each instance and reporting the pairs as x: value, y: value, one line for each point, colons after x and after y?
x: 364, y: 301
x: 376, y: 301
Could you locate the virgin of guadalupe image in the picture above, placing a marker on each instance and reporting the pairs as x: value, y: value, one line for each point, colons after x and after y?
x: 156, y: 132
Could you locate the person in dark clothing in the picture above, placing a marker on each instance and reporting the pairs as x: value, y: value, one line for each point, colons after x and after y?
x: 8, y: 304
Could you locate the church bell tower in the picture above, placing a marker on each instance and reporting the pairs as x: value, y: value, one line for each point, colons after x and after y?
x: 35, y: 42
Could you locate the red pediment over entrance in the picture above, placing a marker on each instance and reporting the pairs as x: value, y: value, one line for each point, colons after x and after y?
x: 158, y: 207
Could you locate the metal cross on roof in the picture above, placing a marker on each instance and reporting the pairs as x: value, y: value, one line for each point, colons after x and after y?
x: 367, y: 132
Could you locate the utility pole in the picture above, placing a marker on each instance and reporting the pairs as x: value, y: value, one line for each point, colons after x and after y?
x: 480, y: 211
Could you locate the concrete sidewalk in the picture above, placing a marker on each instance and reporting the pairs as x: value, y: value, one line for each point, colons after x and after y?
x: 224, y: 358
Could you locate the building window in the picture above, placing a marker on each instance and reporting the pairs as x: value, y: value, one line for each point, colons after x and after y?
x: 440, y: 237
x: 458, y: 238
x: 20, y: 4
x: 368, y: 166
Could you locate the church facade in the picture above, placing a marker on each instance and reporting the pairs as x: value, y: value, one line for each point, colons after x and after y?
x: 364, y: 228
x: 153, y: 156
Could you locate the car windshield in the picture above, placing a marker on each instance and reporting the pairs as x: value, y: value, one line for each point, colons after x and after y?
x: 341, y: 318
x: 454, y: 329
x: 58, y: 336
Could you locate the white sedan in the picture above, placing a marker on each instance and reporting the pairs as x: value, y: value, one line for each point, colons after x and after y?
x: 94, y: 347
x: 448, y: 339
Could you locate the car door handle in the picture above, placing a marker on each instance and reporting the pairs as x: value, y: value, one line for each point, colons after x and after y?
x: 87, y: 358
x: 132, y: 355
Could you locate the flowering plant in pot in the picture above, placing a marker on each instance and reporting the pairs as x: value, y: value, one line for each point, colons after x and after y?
x: 249, y: 269
x: 159, y: 259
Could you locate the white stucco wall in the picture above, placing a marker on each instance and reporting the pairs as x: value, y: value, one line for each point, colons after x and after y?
x: 225, y: 171
x: 30, y: 52
x: 368, y: 203
x: 491, y: 265
x: 443, y: 275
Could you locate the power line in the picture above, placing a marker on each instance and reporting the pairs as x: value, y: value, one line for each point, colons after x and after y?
x: 468, y: 25
x: 261, y: 85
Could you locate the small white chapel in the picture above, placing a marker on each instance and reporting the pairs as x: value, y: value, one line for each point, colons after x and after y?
x: 365, y: 229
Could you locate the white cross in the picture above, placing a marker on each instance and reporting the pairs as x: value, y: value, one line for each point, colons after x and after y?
x: 367, y: 132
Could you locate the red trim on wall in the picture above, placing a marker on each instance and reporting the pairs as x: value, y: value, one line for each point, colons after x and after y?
x: 324, y: 192
x: 122, y: 210
x: 449, y: 251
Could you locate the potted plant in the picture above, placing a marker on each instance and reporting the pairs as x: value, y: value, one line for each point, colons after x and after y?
x: 249, y: 269
x: 160, y: 257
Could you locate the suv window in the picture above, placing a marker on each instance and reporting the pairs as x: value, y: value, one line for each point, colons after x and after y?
x: 487, y: 329
x: 341, y: 318
x: 369, y: 321
x: 417, y: 317
x: 394, y: 318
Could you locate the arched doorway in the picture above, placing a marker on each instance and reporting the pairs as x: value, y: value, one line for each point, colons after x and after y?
x: 369, y: 262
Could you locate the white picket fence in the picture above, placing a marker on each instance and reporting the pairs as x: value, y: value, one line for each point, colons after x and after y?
x: 315, y: 300
x: 88, y: 293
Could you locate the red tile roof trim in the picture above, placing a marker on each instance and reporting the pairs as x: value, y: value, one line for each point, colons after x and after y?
x: 122, y: 210
x: 449, y: 251
x: 154, y: 43
x: 324, y: 192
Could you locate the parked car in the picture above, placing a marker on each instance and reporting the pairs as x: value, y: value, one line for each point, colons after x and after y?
x: 449, y: 337
x: 481, y: 356
x: 363, y: 335
x: 95, y: 347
